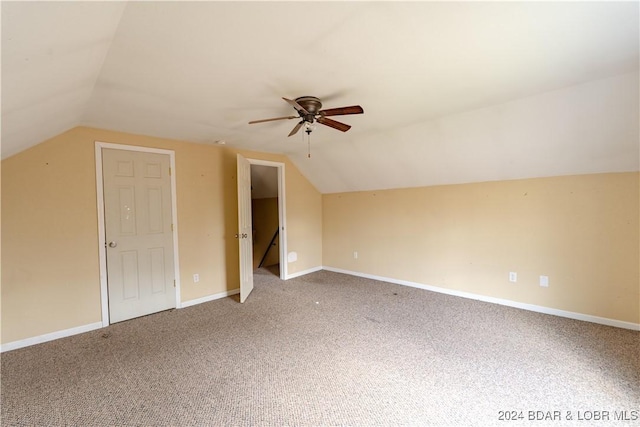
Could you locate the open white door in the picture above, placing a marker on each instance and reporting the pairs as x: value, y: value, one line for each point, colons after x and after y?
x: 244, y: 228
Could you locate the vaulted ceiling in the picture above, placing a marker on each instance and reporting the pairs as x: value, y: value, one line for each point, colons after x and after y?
x: 452, y: 91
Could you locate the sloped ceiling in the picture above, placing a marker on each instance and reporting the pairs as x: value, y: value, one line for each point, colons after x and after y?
x: 452, y: 91
x: 264, y: 182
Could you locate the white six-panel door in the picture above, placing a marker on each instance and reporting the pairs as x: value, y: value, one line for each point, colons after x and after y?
x: 245, y: 235
x: 139, y: 238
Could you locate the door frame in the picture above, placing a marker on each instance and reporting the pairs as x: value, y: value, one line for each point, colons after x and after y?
x: 282, y: 216
x: 102, y: 249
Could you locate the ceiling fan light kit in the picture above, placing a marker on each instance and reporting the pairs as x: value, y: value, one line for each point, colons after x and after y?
x: 309, y: 109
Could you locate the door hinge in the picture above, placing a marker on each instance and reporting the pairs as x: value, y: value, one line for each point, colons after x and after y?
x: 174, y: 283
x: 171, y: 227
x: 169, y: 171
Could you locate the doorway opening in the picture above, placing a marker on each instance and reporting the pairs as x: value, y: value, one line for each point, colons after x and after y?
x: 267, y: 216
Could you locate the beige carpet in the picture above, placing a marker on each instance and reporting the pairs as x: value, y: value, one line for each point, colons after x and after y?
x: 327, y: 349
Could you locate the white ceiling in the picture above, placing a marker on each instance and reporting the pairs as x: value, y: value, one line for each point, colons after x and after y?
x: 452, y: 91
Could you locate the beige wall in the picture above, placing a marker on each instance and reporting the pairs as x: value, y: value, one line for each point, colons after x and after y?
x: 581, y: 231
x: 50, y: 266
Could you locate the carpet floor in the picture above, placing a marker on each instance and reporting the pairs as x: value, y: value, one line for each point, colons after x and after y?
x: 330, y: 349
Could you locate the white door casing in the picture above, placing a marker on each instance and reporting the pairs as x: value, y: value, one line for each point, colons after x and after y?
x: 244, y: 235
x: 138, y: 222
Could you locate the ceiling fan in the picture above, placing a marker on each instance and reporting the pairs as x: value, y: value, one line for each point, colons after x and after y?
x: 309, y: 109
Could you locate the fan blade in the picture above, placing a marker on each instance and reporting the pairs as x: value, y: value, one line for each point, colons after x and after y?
x: 271, y: 120
x: 296, y: 129
x: 333, y: 124
x: 354, y: 109
x: 295, y: 105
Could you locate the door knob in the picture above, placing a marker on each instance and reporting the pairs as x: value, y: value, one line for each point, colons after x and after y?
x: 112, y: 244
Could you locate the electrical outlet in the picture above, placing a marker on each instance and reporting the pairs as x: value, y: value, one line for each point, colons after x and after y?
x: 355, y: 255
x: 544, y: 281
x: 513, y: 276
x: 196, y: 278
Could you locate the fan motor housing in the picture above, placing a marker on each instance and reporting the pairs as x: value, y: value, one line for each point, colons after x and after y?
x: 310, y: 103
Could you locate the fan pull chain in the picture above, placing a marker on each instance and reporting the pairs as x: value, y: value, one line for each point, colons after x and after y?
x: 308, y: 132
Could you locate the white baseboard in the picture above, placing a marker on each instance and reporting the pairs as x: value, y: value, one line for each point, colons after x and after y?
x: 49, y: 337
x: 93, y: 326
x: 500, y: 301
x: 303, y: 273
x: 209, y: 298
x: 536, y: 308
